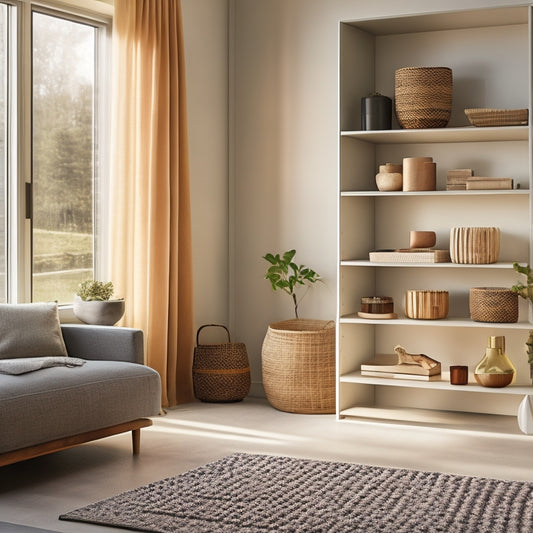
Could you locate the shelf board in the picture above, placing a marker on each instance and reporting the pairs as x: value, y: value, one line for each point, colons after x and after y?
x: 441, y: 135
x: 377, y: 194
x: 366, y: 263
x: 443, y: 384
x: 454, y: 322
x: 434, y: 419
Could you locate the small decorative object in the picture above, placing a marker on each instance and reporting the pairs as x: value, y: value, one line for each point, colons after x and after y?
x: 459, y: 375
x: 493, y: 304
x: 419, y: 359
x: 474, y: 245
x: 495, y: 369
x: 376, y: 112
x: 220, y: 372
x: 422, y: 239
x: 497, y: 117
x: 525, y: 415
x: 423, y: 97
x: 426, y: 304
x: 285, y: 275
x: 410, y: 255
x: 419, y: 174
x: 377, y: 307
x: 389, y: 177
x: 93, y: 305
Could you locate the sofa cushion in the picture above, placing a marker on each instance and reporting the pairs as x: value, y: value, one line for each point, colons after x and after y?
x: 58, y: 402
x: 30, y: 330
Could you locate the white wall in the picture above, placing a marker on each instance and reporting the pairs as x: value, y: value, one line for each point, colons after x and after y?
x: 281, y: 188
x: 205, y: 25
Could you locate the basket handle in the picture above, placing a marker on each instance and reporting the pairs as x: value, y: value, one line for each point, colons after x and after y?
x: 210, y: 325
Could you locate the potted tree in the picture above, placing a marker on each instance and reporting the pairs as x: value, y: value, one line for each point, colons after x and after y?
x: 93, y: 303
x: 298, y: 355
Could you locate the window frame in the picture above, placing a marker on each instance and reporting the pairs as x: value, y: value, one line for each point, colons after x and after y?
x: 19, y: 175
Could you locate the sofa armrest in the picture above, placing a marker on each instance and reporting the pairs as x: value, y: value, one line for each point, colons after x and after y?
x: 109, y: 343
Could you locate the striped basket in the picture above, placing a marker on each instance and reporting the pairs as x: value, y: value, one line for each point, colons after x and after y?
x: 423, y: 97
x: 220, y: 372
x: 298, y: 362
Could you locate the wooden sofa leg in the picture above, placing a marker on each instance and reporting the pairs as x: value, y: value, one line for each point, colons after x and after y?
x: 136, y: 441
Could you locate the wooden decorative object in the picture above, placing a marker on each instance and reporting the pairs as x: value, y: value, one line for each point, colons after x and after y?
x: 422, y: 239
x: 387, y: 365
x: 410, y: 255
x: 377, y: 304
x: 419, y: 359
x: 426, y: 304
x: 419, y: 174
x: 474, y: 245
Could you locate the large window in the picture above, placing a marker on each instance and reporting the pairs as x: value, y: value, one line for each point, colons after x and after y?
x: 61, y: 150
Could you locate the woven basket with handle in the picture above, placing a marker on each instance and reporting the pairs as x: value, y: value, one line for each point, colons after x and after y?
x: 298, y: 362
x: 220, y: 372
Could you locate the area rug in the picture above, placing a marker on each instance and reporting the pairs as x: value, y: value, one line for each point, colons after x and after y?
x: 245, y: 493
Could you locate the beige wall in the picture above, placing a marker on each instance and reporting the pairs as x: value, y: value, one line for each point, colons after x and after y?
x: 282, y: 151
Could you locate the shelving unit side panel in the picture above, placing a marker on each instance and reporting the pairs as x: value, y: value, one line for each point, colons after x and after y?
x: 356, y: 75
x: 356, y: 227
x: 357, y: 165
x: 356, y: 283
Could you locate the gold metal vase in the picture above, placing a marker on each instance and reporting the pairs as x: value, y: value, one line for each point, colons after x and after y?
x: 495, y: 369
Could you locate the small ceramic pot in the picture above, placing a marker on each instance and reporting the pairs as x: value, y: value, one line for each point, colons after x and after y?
x: 106, y: 313
x: 389, y: 177
x: 422, y: 239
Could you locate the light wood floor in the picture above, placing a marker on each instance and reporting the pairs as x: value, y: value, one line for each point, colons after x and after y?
x: 36, y: 492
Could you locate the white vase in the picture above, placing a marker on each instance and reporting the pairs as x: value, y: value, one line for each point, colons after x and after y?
x: 525, y: 415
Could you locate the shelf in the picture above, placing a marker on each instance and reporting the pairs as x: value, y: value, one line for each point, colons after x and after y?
x: 436, y: 420
x: 456, y: 322
x: 367, y: 263
x: 443, y: 384
x: 441, y: 135
x: 377, y: 194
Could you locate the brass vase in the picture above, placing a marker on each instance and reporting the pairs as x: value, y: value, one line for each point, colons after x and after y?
x: 495, y: 369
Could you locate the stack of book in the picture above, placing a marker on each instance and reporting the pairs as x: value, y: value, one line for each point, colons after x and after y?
x: 463, y: 179
x: 386, y: 366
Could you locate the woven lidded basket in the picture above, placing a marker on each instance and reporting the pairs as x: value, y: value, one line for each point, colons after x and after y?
x: 298, y: 362
x: 220, y: 372
x: 423, y: 97
x: 493, y: 304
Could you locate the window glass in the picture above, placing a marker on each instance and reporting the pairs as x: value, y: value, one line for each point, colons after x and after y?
x: 63, y: 96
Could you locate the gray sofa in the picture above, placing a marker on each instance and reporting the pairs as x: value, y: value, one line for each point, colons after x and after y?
x: 58, y: 407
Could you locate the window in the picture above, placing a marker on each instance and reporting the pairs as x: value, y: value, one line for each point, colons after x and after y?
x: 53, y: 166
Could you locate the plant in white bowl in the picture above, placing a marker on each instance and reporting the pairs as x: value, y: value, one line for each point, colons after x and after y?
x: 93, y: 303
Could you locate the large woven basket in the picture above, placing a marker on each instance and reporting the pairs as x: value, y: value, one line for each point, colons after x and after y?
x: 298, y: 362
x: 493, y: 304
x: 423, y: 97
x: 221, y: 372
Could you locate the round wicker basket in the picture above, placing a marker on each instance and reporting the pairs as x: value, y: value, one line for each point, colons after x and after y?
x: 493, y: 304
x: 423, y: 97
x: 298, y: 362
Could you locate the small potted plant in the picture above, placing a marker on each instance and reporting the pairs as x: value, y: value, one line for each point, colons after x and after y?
x: 93, y: 303
x: 298, y: 355
x: 526, y: 292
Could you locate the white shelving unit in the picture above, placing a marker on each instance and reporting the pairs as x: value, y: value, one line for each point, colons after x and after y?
x: 486, y: 49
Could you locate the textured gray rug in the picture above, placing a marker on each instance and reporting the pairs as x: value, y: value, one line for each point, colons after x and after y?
x: 258, y: 493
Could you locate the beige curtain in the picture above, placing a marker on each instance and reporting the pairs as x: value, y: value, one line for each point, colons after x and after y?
x: 151, y: 259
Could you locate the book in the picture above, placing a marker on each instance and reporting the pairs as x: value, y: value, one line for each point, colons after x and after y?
x: 410, y: 255
x: 394, y: 375
x: 389, y: 363
x: 489, y: 183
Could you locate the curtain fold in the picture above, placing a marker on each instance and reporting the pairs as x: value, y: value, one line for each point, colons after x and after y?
x: 151, y: 251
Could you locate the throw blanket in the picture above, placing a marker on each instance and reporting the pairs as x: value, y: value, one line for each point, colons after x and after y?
x: 24, y: 365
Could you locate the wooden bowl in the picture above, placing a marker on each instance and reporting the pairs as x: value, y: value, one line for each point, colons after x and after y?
x: 474, y: 245
x: 426, y: 304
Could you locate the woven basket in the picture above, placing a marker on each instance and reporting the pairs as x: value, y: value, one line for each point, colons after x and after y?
x: 423, y: 97
x: 493, y: 304
x: 298, y: 361
x: 497, y: 117
x: 220, y: 372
